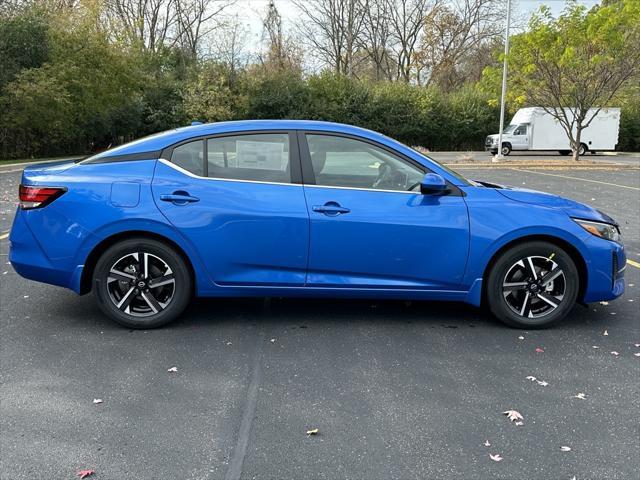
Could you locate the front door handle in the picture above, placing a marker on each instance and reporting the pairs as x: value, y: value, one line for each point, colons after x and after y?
x: 330, y: 209
x: 178, y: 198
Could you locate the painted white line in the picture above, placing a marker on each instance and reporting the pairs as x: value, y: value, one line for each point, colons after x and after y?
x: 577, y: 178
x: 4, y: 235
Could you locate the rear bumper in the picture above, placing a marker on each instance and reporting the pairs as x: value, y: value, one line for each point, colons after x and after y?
x: 29, y: 259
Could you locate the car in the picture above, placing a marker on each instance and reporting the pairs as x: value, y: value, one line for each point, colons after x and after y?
x: 301, y: 208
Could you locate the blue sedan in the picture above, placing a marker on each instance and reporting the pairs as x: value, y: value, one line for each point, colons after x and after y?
x: 302, y: 208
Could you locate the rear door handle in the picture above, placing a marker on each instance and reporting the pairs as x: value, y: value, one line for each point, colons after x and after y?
x: 330, y: 209
x: 179, y: 198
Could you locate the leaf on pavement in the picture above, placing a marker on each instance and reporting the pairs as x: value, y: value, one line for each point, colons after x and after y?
x: 542, y: 383
x: 539, y: 350
x: 97, y: 401
x: 565, y: 449
x: 172, y: 369
x: 486, y: 443
x: 614, y: 353
x: 581, y: 396
x: 520, y: 337
x: 605, y: 333
x: 513, y: 415
x: 637, y: 354
x: 496, y: 457
x: 85, y: 473
x: 604, y: 303
x: 313, y: 431
x: 518, y: 424
x: 532, y: 378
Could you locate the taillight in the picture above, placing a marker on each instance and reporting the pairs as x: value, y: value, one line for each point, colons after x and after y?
x: 37, y: 197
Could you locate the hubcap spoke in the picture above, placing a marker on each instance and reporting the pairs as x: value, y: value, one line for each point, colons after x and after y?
x: 532, y: 268
x: 552, y: 275
x: 151, y: 301
x: 118, y: 275
x: 512, y: 286
x: 553, y: 301
x: 126, y: 299
x: 525, y: 305
x: 160, y: 281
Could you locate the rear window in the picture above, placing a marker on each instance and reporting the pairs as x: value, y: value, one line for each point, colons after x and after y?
x: 258, y: 157
x: 190, y: 156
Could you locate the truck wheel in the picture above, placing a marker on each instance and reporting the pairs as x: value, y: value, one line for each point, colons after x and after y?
x: 564, y: 152
x: 583, y: 149
x: 506, y: 149
x: 493, y: 151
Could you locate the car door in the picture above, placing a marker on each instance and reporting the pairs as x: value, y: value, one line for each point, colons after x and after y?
x: 520, y: 138
x: 370, y: 226
x: 239, y: 200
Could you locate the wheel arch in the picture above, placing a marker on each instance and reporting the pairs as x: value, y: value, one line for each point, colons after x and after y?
x: 103, y: 245
x: 571, y: 250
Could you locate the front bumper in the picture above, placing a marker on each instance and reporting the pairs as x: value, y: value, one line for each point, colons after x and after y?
x: 606, y: 272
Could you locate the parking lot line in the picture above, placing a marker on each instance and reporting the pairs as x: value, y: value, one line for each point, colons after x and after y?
x: 632, y: 263
x: 4, y: 235
x: 576, y: 178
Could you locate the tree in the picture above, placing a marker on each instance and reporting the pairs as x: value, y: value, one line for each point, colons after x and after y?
x: 574, y: 66
x: 333, y: 29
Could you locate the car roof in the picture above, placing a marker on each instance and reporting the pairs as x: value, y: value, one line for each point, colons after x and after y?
x: 162, y: 140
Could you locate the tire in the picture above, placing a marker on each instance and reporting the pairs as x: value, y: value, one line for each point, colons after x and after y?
x: 583, y: 149
x: 510, y: 285
x: 128, y: 294
x: 564, y: 152
x: 506, y: 149
x: 493, y: 151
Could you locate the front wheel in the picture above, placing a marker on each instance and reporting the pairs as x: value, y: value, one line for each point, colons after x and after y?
x: 506, y: 149
x: 142, y: 283
x: 532, y: 285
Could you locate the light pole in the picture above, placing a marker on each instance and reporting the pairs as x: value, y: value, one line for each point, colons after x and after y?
x: 499, y: 155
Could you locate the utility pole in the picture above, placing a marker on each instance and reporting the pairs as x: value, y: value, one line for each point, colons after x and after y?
x: 499, y: 155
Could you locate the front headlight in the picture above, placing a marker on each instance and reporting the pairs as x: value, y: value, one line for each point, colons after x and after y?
x: 602, y: 230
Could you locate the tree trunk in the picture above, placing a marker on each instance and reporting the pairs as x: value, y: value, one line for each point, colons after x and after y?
x: 575, y: 145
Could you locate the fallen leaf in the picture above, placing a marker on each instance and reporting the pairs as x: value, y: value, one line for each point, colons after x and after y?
x: 605, y: 333
x: 615, y: 354
x: 313, y: 431
x: 612, y: 313
x: 273, y: 340
x: 604, y: 303
x: 532, y: 378
x: 172, y: 369
x: 85, y: 473
x: 565, y: 449
x: 513, y: 415
x: 496, y: 457
x: 96, y: 401
x: 542, y: 382
x: 594, y: 346
x: 520, y: 337
x: 636, y: 354
x: 581, y: 396
x: 637, y: 345
x: 486, y: 443
x: 539, y: 350
x: 518, y: 424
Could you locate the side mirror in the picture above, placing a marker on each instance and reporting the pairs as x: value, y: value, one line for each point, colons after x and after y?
x: 432, y: 183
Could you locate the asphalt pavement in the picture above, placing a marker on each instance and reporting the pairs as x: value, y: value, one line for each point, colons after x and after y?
x: 397, y: 390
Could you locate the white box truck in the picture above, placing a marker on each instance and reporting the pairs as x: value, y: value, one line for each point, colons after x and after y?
x: 534, y: 129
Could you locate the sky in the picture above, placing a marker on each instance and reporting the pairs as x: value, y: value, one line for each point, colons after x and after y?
x: 251, y: 11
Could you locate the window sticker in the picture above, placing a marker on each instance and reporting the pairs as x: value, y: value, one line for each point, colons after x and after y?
x: 260, y: 155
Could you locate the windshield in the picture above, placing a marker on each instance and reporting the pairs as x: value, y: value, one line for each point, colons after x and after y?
x: 448, y: 170
x: 509, y: 128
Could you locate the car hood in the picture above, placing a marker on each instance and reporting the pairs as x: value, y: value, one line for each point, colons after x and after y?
x: 571, y: 207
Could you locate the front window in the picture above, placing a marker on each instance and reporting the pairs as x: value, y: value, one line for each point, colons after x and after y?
x: 521, y: 130
x: 346, y: 162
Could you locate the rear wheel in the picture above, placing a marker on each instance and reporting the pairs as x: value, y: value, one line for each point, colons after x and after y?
x: 564, y: 152
x: 583, y: 149
x: 532, y: 285
x: 142, y: 283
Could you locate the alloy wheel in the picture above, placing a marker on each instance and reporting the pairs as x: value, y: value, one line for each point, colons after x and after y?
x: 141, y: 284
x: 534, y: 287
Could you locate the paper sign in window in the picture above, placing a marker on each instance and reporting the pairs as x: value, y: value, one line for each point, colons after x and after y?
x: 260, y: 155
